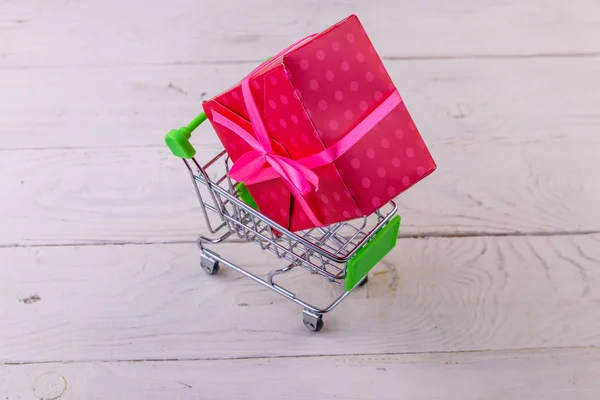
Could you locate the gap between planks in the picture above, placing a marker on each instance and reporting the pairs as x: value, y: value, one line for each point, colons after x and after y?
x: 258, y: 61
x: 432, y: 295
x: 538, y: 375
x: 411, y: 357
x: 423, y: 236
x: 409, y: 28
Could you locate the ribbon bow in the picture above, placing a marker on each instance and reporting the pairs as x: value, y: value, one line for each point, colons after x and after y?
x: 301, y: 178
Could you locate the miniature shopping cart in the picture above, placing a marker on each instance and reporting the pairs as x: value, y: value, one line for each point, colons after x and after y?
x: 342, y: 253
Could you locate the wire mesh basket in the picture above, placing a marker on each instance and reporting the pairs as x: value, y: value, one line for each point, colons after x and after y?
x: 342, y: 253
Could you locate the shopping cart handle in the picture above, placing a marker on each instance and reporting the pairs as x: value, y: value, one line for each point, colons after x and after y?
x: 178, y: 140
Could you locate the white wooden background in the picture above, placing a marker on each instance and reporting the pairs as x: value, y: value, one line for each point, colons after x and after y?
x: 493, y: 291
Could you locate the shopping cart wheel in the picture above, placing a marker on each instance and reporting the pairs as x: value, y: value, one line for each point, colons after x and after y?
x: 312, y: 321
x: 209, y: 265
x: 364, y: 281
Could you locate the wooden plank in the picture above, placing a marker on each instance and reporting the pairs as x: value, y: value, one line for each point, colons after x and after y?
x: 57, y: 33
x: 474, y: 114
x: 145, y: 195
x: 146, y: 302
x: 536, y: 375
x: 453, y: 101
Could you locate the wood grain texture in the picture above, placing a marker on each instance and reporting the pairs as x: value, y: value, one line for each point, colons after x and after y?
x: 145, y: 195
x: 147, y: 302
x: 536, y: 375
x: 61, y: 32
x: 506, y: 95
x: 462, y: 102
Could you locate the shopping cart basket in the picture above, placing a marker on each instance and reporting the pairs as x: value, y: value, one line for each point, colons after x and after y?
x: 342, y: 253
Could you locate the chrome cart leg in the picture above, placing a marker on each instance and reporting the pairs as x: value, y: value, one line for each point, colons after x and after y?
x: 277, y: 272
x: 312, y: 321
x: 208, y: 264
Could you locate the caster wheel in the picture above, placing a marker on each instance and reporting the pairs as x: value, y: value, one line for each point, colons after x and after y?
x: 364, y: 281
x: 210, y: 266
x: 312, y: 321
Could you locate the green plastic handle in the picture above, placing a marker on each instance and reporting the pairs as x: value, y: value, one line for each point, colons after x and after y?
x: 178, y: 140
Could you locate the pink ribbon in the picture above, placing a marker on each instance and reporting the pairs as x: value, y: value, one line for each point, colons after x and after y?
x: 248, y: 165
x: 297, y: 174
x: 334, y: 152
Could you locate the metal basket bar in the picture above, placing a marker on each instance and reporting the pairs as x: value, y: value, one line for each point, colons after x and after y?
x: 212, y: 186
x: 292, y: 235
x: 288, y: 253
x: 281, y: 251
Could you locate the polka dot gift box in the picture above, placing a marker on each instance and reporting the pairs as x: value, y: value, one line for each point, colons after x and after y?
x: 319, y: 133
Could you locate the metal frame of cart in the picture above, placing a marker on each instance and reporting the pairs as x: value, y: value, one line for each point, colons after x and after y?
x: 342, y: 253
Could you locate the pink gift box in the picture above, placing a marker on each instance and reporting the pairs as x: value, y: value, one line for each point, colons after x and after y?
x: 312, y: 99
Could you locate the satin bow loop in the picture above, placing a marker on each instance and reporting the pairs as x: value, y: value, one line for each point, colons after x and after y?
x: 247, y: 165
x: 300, y: 177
